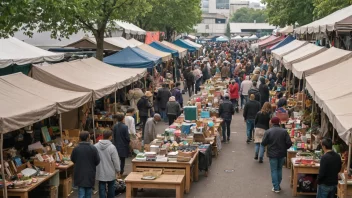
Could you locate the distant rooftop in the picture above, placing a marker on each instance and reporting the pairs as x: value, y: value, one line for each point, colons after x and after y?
x: 239, y: 27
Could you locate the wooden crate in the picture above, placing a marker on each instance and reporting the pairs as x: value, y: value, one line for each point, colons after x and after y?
x: 48, y: 166
x: 65, y: 187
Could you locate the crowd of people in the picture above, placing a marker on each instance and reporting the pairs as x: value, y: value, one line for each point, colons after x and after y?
x: 250, y: 78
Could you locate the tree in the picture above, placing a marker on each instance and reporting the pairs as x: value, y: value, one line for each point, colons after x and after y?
x: 65, y: 17
x: 228, y: 31
x: 248, y: 15
x: 326, y: 7
x: 288, y: 12
x: 171, y: 16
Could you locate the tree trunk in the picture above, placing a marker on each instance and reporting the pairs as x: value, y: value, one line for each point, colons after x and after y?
x: 99, y: 37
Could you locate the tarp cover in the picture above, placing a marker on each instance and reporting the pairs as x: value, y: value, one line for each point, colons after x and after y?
x: 20, y: 108
x: 119, y: 41
x: 267, y: 40
x: 135, y: 42
x: 132, y: 58
x: 183, y: 44
x: 84, y: 75
x: 182, y: 51
x: 282, y: 43
x: 301, y: 54
x: 324, y: 60
x: 128, y: 27
x: 286, y: 30
x: 196, y: 45
x: 282, y: 51
x: 159, y: 46
x: 111, y: 43
x: 14, y: 51
x: 329, y: 23
x: 164, y: 55
x: 66, y: 100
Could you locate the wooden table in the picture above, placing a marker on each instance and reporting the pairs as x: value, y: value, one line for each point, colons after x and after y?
x: 290, y: 154
x: 301, y: 169
x: 134, y: 181
x: 177, y: 165
x: 66, y: 173
x: 23, y: 192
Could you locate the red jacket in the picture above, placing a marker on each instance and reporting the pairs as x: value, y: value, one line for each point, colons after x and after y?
x: 234, y: 88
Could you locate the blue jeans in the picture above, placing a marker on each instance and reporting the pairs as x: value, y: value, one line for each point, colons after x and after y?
x: 226, y: 124
x: 276, y: 171
x: 235, y: 104
x: 250, y: 128
x: 325, y: 191
x: 102, y: 189
x: 85, y: 192
x: 244, y: 100
x: 259, y: 149
x: 163, y: 115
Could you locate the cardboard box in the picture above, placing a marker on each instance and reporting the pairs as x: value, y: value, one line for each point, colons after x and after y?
x: 48, y: 166
x: 65, y: 187
x: 72, y: 133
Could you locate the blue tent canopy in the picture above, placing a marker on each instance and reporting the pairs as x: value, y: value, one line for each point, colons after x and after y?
x: 284, y: 42
x: 132, y: 58
x: 164, y: 48
x: 183, y: 44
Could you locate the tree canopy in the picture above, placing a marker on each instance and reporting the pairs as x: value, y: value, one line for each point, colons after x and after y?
x: 171, y: 16
x: 65, y: 17
x: 288, y: 12
x: 248, y: 15
x: 326, y: 7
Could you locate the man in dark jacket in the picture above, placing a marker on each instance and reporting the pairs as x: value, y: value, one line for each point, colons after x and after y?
x: 277, y: 141
x: 330, y: 166
x: 163, y: 97
x: 176, y: 92
x: 250, y: 111
x: 190, y: 80
x: 144, y: 106
x: 254, y: 90
x: 121, y: 140
x: 226, y: 111
x: 264, y: 91
x: 86, y: 158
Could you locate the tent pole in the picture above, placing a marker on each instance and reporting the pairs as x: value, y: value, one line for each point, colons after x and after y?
x: 2, y: 165
x: 333, y: 135
x: 313, y: 109
x: 60, y: 125
x: 115, y: 103
x: 93, y: 119
x: 349, y: 154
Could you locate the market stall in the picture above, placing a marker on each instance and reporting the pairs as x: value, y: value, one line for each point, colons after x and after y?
x: 301, y: 54
x: 165, y: 56
x: 292, y: 46
x: 160, y: 46
x: 185, y: 45
x: 135, y: 42
x: 182, y: 51
x: 282, y: 43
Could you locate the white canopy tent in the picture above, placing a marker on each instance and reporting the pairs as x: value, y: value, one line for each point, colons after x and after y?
x: 246, y: 38
x: 111, y: 43
x: 119, y: 41
x: 322, y: 61
x: 237, y: 38
x: 339, y: 20
x: 253, y: 37
x: 128, y: 27
x: 196, y: 45
x: 165, y: 56
x: 264, y: 37
x: 181, y: 51
x: 286, y: 49
x: 14, y: 51
x: 135, y: 42
x: 286, y: 30
x: 301, y: 54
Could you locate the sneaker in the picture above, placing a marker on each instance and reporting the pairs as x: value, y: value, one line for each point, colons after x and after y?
x: 248, y: 141
x: 256, y: 157
x: 276, y: 191
x: 223, y: 141
x: 260, y: 160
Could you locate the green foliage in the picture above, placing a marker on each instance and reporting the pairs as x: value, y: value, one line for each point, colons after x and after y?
x: 248, y: 15
x: 228, y: 31
x: 171, y: 16
x: 288, y: 12
x: 326, y: 7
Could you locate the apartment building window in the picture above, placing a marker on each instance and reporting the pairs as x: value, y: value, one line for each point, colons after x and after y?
x: 223, y: 4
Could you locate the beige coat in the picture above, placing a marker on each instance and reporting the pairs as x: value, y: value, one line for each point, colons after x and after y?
x: 149, y: 131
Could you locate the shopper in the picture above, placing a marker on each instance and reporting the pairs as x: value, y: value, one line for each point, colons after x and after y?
x: 264, y: 91
x: 144, y: 106
x: 234, y: 94
x: 190, y: 80
x: 254, y: 90
x: 245, y: 86
x: 226, y: 111
x: 330, y: 166
x: 121, y: 140
x: 225, y: 72
x: 109, y: 167
x: 250, y: 111
x: 261, y: 122
x: 86, y: 159
x: 173, y: 110
x: 277, y: 141
x: 176, y: 92
x: 163, y: 97
x: 150, y: 131
x: 129, y: 121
